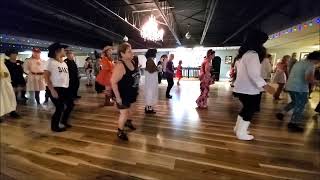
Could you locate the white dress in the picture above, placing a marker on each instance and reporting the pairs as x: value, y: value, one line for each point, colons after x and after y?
x: 7, y: 97
x: 266, y: 68
x: 35, y: 81
x: 151, y: 88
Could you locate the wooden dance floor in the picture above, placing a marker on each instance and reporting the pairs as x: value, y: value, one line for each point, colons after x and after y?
x: 179, y: 142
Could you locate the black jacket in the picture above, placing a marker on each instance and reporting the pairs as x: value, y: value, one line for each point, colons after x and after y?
x: 73, y: 70
x: 16, y: 72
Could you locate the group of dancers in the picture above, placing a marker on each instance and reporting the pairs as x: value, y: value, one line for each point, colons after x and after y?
x: 251, y: 78
x: 58, y: 76
x: 120, y: 81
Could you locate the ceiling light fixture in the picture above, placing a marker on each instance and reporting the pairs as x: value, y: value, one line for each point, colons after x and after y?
x: 188, y: 35
x: 125, y: 38
x: 150, y: 31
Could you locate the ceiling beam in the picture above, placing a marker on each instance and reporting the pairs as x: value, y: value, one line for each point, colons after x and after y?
x: 113, y: 13
x: 148, y: 10
x: 73, y: 19
x: 188, y: 17
x: 133, y: 4
x: 191, y: 17
x: 168, y: 18
x: 47, y: 24
x: 213, y: 5
x: 67, y: 17
x: 127, y: 22
x: 263, y: 13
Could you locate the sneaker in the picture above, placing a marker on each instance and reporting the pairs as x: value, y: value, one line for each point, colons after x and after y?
x: 295, y: 128
x: 151, y: 112
x: 280, y: 116
x: 58, y: 129
x: 202, y: 107
x: 15, y: 115
x: 66, y: 125
x: 122, y: 135
x: 24, y: 98
x: 130, y: 125
x: 169, y: 97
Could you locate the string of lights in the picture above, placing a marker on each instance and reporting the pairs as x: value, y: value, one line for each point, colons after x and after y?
x: 23, y: 43
x: 299, y: 27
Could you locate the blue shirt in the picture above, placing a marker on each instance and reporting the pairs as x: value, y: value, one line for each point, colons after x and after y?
x: 296, y: 81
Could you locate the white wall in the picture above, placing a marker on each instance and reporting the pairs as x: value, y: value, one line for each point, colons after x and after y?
x: 194, y: 58
x: 80, y: 60
x: 224, y: 68
x: 280, y: 52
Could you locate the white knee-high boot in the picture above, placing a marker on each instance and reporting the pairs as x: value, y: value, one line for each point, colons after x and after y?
x: 235, y: 128
x: 239, y: 120
x: 242, y: 131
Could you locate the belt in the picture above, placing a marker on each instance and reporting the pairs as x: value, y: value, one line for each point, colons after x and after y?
x: 37, y: 73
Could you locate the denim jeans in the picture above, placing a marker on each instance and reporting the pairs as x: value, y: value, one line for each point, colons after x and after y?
x: 298, y: 102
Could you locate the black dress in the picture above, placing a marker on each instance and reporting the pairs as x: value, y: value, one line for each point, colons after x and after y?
x: 128, y: 87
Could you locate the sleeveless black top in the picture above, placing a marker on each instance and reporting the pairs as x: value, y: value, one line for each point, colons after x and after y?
x: 128, y: 86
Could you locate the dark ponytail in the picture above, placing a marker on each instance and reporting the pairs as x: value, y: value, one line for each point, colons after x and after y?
x: 254, y: 42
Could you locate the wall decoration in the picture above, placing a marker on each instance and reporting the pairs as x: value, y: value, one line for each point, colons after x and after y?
x: 228, y: 60
x: 299, y: 27
x: 303, y: 55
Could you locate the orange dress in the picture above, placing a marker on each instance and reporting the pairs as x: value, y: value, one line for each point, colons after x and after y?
x: 105, y: 73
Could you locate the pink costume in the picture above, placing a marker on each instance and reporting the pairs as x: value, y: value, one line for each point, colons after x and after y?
x: 205, y: 82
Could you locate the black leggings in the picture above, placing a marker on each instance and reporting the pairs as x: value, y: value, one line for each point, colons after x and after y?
x: 170, y: 85
x: 64, y: 105
x: 159, y: 77
x: 258, y: 102
x: 73, y: 87
x: 37, y: 96
x: 249, y: 103
x: 47, y: 94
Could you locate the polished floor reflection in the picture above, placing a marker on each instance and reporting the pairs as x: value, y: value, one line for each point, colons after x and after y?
x: 179, y: 142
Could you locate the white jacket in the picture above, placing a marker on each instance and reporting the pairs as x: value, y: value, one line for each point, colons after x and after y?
x: 249, y: 80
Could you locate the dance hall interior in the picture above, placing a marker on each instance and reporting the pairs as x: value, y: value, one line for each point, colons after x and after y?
x: 159, y: 90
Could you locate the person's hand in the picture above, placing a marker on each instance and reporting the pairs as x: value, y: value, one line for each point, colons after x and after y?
x: 269, y: 89
x: 54, y: 94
